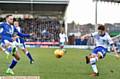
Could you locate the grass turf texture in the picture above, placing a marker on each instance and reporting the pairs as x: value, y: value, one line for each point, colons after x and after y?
x: 70, y: 66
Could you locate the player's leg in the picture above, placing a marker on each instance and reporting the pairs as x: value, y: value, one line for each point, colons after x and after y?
x: 13, y: 63
x: 12, y: 50
x: 24, y: 49
x: 61, y: 44
x: 2, y: 49
x: 8, y: 47
x: 62, y: 47
x: 93, y: 61
x: 94, y: 58
x: 28, y: 55
x: 98, y: 53
x: 5, y: 51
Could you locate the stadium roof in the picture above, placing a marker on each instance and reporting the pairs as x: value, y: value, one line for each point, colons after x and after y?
x: 36, y: 1
x: 115, y: 1
x: 41, y: 7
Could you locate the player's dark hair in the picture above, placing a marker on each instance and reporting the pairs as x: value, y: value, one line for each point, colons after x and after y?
x: 101, y: 27
x: 7, y: 16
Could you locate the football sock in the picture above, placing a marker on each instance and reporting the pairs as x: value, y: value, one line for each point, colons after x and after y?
x: 29, y: 56
x: 13, y: 64
x: 94, y: 67
x: 6, y: 52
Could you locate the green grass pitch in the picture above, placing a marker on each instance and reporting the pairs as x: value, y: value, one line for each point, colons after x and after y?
x: 70, y: 66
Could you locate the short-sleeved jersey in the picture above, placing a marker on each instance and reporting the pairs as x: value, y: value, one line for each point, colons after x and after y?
x: 103, y: 41
x: 63, y: 37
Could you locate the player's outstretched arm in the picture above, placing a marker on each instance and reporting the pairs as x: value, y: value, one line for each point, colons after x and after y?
x: 23, y: 34
x: 31, y: 34
x: 85, y: 36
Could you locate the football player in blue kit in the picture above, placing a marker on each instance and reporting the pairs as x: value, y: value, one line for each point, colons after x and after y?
x: 21, y: 43
x: 7, y: 41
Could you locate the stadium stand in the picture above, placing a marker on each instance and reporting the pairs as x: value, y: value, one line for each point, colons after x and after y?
x: 44, y: 17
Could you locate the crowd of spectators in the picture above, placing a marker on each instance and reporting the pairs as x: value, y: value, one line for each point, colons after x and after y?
x: 48, y: 29
x: 45, y: 29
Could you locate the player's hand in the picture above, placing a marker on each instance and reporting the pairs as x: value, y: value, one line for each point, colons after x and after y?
x: 85, y: 36
x: 31, y: 34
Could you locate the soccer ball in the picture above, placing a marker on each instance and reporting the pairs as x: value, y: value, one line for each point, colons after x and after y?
x: 58, y: 53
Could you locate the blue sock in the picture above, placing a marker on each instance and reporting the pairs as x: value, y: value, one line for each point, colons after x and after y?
x: 14, y: 62
x: 29, y: 56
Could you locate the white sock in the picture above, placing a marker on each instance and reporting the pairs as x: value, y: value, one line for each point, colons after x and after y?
x: 26, y: 52
x: 94, y: 67
x: 6, y: 52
